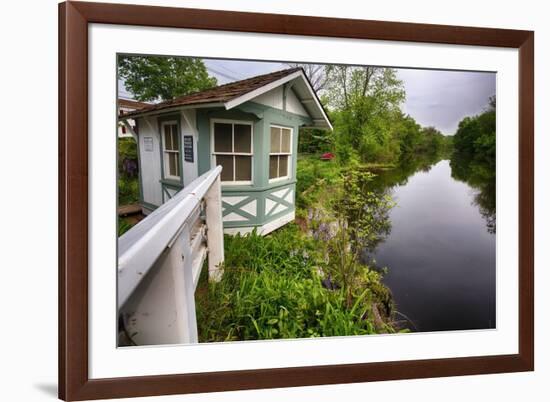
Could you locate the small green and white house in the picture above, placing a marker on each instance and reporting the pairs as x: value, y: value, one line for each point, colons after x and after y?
x: 249, y: 127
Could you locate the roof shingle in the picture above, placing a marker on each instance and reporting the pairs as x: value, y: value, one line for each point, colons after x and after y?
x: 219, y: 94
x: 133, y: 104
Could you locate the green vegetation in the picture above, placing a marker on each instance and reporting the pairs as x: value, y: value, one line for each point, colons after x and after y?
x: 369, y: 126
x: 476, y: 136
x: 272, y: 288
x: 306, y: 279
x: 128, y: 190
x: 313, y: 176
x: 473, y: 160
x: 309, y: 278
x: 152, y: 78
x: 315, y: 141
x: 128, y: 181
x: 360, y: 218
x: 123, y: 226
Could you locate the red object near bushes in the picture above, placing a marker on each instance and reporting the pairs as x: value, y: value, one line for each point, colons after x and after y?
x: 327, y: 156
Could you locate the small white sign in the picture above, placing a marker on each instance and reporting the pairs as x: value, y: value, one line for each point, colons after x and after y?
x: 148, y: 144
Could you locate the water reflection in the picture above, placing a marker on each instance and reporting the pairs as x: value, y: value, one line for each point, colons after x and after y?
x: 480, y: 175
x: 440, y: 252
x: 386, y: 179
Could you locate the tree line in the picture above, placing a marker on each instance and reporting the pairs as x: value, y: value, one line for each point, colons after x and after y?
x: 476, y: 135
x: 364, y: 105
x: 474, y: 159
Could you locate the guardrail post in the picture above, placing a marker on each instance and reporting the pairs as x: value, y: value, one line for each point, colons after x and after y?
x: 214, y: 233
x: 185, y: 293
x: 158, y: 311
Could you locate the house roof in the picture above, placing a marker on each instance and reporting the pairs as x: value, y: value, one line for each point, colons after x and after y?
x: 132, y: 104
x: 235, y: 93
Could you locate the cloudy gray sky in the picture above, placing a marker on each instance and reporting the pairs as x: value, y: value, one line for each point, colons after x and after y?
x: 434, y: 98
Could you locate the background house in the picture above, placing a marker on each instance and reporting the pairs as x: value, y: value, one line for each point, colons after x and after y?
x: 126, y: 106
x: 249, y: 127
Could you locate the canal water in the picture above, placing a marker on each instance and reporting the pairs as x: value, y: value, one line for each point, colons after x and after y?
x: 440, y: 253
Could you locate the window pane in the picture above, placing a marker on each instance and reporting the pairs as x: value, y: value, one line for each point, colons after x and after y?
x: 243, y: 138
x: 285, y: 141
x: 283, y: 165
x: 226, y: 161
x: 275, y: 140
x: 175, y: 142
x: 172, y: 164
x: 222, y: 137
x: 167, y: 138
x: 243, y: 168
x: 273, y: 161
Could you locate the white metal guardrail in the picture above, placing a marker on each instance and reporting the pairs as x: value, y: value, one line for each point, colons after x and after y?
x: 160, y: 259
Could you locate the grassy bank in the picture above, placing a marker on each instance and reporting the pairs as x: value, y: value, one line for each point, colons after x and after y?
x: 290, y: 284
x: 314, y: 176
x: 272, y: 288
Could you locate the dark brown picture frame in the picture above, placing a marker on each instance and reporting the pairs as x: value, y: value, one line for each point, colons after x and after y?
x: 74, y: 382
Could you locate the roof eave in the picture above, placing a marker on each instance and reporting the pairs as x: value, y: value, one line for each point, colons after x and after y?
x: 232, y: 103
x: 170, y: 110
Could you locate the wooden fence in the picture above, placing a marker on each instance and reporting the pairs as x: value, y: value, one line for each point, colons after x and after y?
x: 160, y: 260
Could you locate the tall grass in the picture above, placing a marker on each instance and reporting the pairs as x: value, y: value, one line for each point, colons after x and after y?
x: 272, y: 289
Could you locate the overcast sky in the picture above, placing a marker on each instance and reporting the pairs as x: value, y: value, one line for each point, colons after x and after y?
x: 434, y: 98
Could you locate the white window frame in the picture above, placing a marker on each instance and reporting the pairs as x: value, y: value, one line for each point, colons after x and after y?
x: 165, y: 161
x: 213, y: 153
x: 289, y: 154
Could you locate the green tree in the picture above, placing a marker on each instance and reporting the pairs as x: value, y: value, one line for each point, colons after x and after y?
x: 476, y: 136
x: 365, y: 103
x: 474, y: 159
x: 152, y: 78
x: 409, y: 134
x: 433, y: 139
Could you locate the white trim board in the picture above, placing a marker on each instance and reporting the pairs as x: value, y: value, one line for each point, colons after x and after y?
x: 265, y: 229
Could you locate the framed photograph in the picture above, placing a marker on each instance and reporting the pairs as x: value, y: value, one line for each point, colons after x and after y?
x: 260, y: 200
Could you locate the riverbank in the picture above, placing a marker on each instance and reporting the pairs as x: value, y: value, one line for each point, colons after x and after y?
x: 315, y: 176
x: 290, y: 284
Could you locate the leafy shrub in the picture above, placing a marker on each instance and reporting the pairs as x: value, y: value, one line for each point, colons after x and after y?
x: 128, y: 190
x: 127, y: 157
x: 271, y: 289
x: 123, y: 226
x: 128, y: 183
x: 314, y: 175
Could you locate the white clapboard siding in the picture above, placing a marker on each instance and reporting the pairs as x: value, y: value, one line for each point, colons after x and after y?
x: 149, y: 159
x: 273, y: 98
x: 294, y: 105
x: 159, y: 263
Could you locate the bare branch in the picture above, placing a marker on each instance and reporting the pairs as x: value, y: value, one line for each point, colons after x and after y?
x: 315, y: 74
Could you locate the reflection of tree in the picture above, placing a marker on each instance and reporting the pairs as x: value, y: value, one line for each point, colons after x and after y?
x: 399, y: 176
x: 382, y: 185
x: 480, y: 174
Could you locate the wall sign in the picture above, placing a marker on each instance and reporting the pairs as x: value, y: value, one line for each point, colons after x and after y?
x: 148, y: 144
x: 188, y: 148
